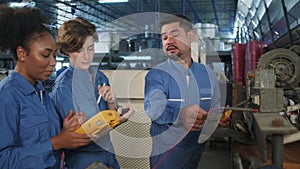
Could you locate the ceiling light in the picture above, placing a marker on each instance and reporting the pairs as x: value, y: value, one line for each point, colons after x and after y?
x: 112, y: 1
x: 22, y: 4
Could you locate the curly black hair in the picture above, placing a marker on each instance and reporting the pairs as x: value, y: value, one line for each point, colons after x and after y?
x: 18, y: 27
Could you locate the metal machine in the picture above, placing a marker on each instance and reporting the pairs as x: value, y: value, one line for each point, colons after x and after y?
x: 273, y: 88
x: 275, y: 84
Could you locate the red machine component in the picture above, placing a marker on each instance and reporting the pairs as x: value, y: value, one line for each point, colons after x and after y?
x: 262, y: 48
x: 253, y: 51
x: 238, y: 55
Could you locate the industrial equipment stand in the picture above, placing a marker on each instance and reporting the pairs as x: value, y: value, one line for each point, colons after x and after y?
x: 276, y: 126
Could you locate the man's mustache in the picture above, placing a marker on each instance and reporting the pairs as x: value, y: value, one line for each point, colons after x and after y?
x: 171, y: 47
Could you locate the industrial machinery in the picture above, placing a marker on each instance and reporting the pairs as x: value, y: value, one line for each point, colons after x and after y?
x: 273, y: 88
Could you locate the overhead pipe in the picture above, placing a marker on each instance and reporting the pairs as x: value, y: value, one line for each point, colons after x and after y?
x: 247, y: 34
x: 101, y: 11
x: 62, y: 2
x: 215, y: 11
x: 139, y: 7
x: 145, y: 3
x: 269, y: 22
x: 233, y: 20
x: 168, y: 2
x: 56, y: 8
x: 183, y: 7
x: 96, y: 16
x: 115, y: 10
x: 157, y: 5
x: 50, y: 11
x: 285, y: 14
x: 261, y: 31
x: 193, y: 10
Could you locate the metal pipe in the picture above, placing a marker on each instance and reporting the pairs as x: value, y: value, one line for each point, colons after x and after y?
x: 277, y: 150
x: 270, y: 23
x: 285, y: 14
x: 183, y: 7
x: 191, y: 6
x: 239, y: 108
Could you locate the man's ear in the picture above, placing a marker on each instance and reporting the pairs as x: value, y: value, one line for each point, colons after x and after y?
x: 191, y: 35
x: 21, y: 53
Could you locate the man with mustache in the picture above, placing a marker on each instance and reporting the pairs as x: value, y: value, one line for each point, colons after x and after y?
x: 179, y: 94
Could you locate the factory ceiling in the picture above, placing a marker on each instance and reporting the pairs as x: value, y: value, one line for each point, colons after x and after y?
x: 217, y: 12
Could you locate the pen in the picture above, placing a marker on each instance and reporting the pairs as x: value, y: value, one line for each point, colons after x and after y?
x: 100, y: 95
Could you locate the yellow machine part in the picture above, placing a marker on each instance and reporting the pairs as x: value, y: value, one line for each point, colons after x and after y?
x: 226, y: 115
x: 102, y: 121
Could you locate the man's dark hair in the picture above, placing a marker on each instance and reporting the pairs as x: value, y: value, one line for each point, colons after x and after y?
x: 184, y: 21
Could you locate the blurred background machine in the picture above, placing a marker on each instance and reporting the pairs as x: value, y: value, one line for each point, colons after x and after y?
x: 273, y: 89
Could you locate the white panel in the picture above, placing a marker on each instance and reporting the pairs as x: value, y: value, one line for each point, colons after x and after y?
x: 127, y: 83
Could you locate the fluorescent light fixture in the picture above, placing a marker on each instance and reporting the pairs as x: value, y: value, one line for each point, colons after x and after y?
x: 111, y: 1
x: 60, y: 59
x: 136, y: 57
x: 22, y: 4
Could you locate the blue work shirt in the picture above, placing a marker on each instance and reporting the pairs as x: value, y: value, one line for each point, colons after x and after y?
x: 28, y: 120
x: 75, y: 90
x: 169, y: 87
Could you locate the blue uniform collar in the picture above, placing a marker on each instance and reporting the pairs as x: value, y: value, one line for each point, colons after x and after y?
x: 181, y: 69
x: 171, y: 61
x: 81, y: 72
x: 23, y: 83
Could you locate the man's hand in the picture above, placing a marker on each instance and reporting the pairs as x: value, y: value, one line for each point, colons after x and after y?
x: 124, y: 117
x: 193, y: 117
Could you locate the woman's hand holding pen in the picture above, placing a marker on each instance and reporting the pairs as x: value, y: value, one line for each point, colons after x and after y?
x: 68, y: 138
x: 193, y: 117
x: 106, y: 93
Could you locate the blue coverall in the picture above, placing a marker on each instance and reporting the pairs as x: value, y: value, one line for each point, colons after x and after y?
x: 28, y: 120
x: 169, y: 87
x: 73, y: 89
